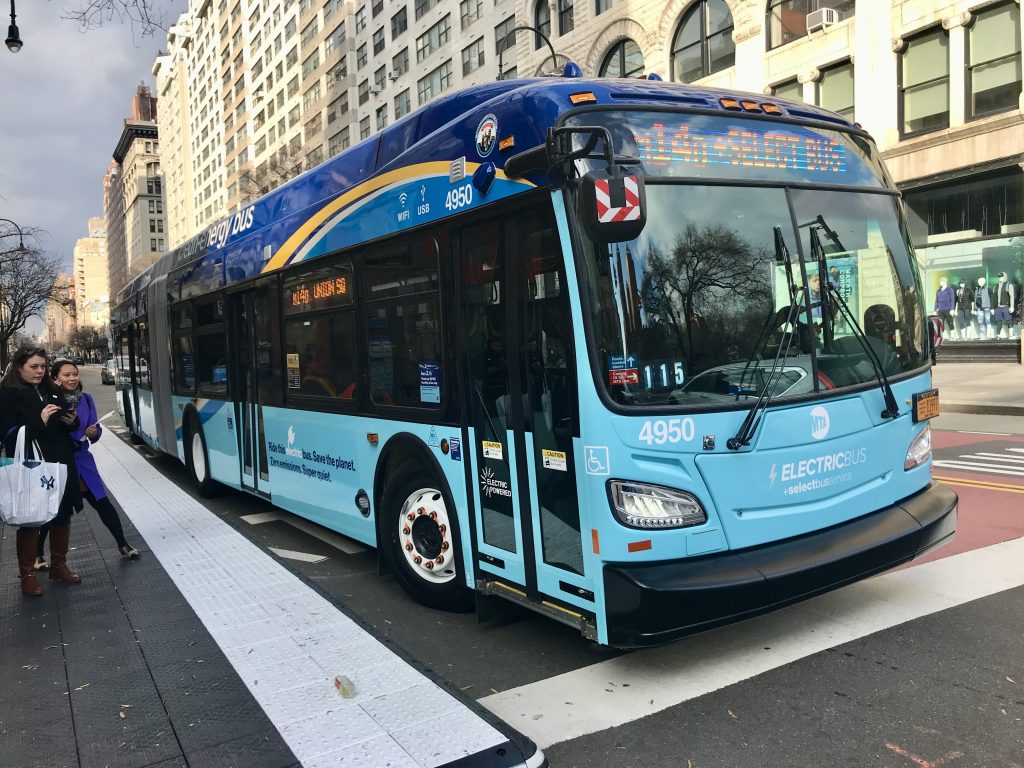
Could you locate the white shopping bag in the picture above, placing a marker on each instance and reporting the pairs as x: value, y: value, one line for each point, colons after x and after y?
x: 30, y: 491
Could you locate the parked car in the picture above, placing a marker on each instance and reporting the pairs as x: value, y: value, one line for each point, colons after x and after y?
x: 109, y: 372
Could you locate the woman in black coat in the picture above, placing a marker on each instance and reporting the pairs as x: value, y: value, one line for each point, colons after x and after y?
x: 27, y: 399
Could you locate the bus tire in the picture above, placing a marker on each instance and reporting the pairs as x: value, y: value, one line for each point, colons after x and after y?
x: 197, y: 459
x: 421, y: 539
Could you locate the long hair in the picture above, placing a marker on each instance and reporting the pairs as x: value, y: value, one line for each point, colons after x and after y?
x: 12, y: 378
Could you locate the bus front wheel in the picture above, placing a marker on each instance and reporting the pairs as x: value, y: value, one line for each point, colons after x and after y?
x: 197, y: 459
x: 421, y: 538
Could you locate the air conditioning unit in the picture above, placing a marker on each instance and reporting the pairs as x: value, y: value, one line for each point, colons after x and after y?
x: 821, y: 18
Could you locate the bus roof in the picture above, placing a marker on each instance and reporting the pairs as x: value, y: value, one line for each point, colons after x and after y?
x: 446, y: 129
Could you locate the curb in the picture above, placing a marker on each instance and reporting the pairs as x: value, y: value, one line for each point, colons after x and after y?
x: 982, y: 408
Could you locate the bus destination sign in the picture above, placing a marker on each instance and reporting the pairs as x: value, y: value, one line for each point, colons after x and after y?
x: 322, y: 293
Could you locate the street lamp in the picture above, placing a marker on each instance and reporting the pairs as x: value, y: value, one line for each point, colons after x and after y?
x: 21, y: 235
x: 541, y: 35
x: 13, y: 40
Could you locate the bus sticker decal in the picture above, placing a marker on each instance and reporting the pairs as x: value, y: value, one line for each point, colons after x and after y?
x: 492, y: 450
x: 661, y: 431
x: 486, y: 135
x: 293, y: 371
x: 493, y: 486
x: 597, y: 459
x: 455, y: 444
x: 819, y: 423
x: 554, y: 460
x: 430, y: 383
x: 433, y: 440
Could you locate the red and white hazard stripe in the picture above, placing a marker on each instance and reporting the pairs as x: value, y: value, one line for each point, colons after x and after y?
x: 628, y: 212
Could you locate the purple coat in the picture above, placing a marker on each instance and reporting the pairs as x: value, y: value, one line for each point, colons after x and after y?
x: 87, y: 416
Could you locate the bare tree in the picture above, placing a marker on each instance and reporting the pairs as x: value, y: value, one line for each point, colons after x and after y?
x: 27, y: 283
x: 145, y: 17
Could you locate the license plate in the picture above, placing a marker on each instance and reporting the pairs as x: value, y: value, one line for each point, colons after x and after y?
x: 926, y: 405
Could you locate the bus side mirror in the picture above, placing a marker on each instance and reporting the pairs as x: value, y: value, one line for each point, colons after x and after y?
x: 612, y: 205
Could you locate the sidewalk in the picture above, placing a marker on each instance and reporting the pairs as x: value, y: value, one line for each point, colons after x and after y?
x: 208, y: 653
x: 996, y: 388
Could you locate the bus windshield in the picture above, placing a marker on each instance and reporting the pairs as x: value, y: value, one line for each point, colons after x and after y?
x: 696, y: 311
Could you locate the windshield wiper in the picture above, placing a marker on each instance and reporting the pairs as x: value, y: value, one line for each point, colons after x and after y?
x: 892, y: 408
x: 753, y: 418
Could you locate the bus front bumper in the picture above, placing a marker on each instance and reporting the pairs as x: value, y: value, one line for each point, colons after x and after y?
x: 653, y: 603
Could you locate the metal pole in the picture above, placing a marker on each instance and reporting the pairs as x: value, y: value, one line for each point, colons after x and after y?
x: 501, y: 51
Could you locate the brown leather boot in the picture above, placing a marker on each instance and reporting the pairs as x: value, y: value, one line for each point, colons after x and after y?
x: 27, y: 538
x: 59, y: 571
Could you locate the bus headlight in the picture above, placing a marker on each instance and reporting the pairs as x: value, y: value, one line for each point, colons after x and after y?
x: 920, y: 450
x: 640, y: 505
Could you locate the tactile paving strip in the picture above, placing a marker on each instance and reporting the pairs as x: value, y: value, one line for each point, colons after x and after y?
x: 288, y: 643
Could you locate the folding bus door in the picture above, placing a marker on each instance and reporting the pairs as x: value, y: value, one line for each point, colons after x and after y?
x: 251, y: 332
x: 522, y: 420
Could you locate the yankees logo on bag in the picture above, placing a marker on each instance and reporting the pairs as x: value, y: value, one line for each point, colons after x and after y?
x: 30, y: 488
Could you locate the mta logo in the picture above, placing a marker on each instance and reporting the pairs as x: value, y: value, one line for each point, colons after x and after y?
x: 291, y: 436
x: 819, y: 422
x: 47, y: 482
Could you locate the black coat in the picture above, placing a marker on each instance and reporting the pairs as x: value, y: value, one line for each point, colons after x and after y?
x: 22, y: 407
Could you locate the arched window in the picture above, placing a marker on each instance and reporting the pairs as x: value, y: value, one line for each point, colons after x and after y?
x: 623, y: 60
x: 703, y: 43
x: 542, y: 23
x: 565, y: 17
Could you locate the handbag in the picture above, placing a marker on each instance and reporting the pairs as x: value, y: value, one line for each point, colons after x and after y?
x: 30, y: 491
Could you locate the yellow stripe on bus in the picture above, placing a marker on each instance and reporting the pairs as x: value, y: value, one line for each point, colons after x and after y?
x: 293, y: 243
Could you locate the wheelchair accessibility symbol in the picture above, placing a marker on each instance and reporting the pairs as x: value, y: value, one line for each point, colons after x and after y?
x: 596, y: 457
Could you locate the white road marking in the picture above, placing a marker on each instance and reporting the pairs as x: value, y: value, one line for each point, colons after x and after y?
x: 989, y: 456
x: 261, y: 517
x: 593, y: 698
x: 997, y: 434
x: 290, y: 554
x: 336, y: 540
x: 978, y: 467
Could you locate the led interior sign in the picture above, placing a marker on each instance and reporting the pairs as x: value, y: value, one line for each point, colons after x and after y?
x: 692, y: 145
x: 317, y: 294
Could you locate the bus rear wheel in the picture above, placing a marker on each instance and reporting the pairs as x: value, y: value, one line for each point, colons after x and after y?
x: 421, y: 538
x: 197, y: 458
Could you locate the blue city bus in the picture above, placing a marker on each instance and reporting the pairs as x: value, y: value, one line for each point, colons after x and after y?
x: 644, y: 357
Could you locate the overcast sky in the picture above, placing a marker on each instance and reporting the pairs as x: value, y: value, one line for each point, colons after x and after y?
x: 63, y: 98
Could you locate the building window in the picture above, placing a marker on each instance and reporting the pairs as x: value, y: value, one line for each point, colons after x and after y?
x: 433, y: 38
x: 364, y: 127
x: 292, y: 58
x: 835, y: 90
x: 504, y: 37
x: 309, y: 32
x: 600, y: 6
x: 311, y: 63
x: 470, y: 11
x: 422, y: 6
x: 542, y: 23
x: 473, y: 56
x: 337, y: 108
x: 382, y: 117
x: 787, y: 19
x: 378, y: 41
x: 434, y: 83
x: 994, y: 61
x: 335, y: 39
x: 379, y: 77
x: 790, y: 89
x: 364, y: 91
x: 338, y: 142
x: 400, y: 61
x: 924, y: 83
x: 361, y: 56
x: 311, y: 96
x: 623, y: 60
x: 376, y: 8
x: 987, y: 204
x: 565, y: 18
x: 402, y: 104
x: 703, y: 43
x: 360, y: 19
x: 399, y: 23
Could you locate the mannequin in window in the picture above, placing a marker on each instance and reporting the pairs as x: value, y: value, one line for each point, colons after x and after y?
x: 964, y: 309
x: 1006, y: 298
x: 983, y: 308
x: 945, y: 301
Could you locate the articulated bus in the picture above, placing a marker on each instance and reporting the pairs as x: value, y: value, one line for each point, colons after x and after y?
x: 644, y: 357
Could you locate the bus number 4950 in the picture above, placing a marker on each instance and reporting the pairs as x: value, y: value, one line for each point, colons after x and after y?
x: 459, y: 197
x: 663, y: 431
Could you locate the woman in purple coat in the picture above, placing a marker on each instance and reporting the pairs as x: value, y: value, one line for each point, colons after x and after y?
x: 64, y: 375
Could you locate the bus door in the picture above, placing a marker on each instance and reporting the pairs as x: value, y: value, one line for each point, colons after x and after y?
x: 250, y: 359
x: 522, y: 414
x: 126, y: 375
